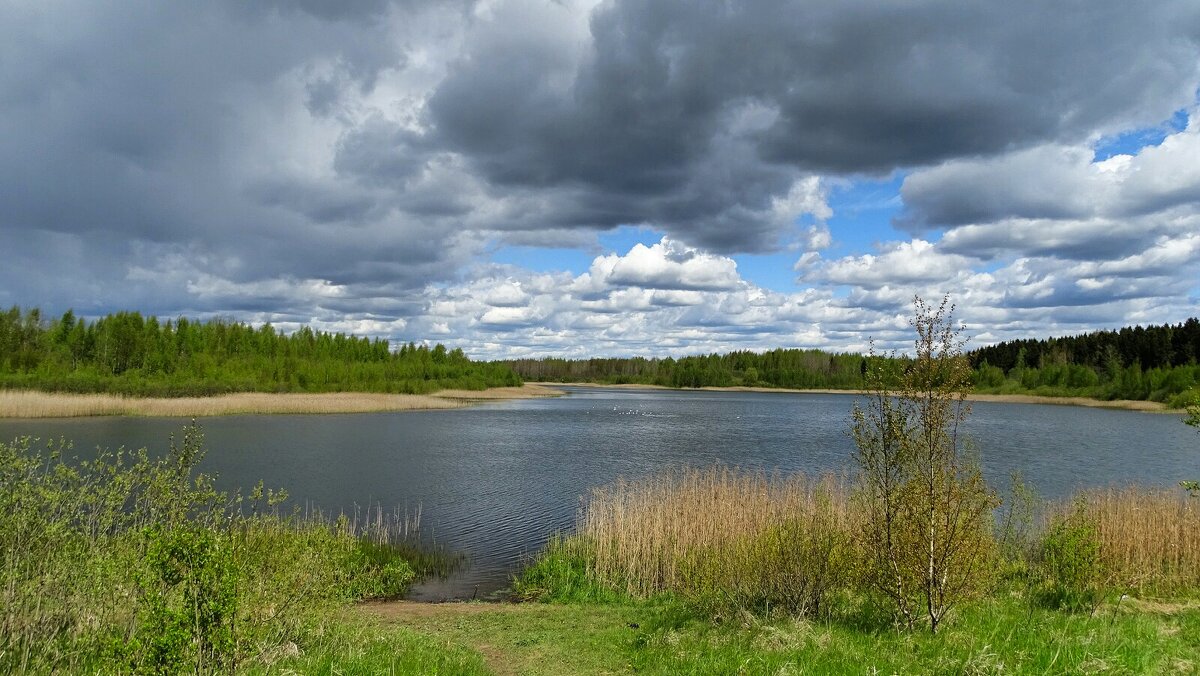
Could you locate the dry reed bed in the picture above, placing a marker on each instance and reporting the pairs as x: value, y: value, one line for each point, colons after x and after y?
x: 649, y: 535
x: 34, y: 404
x: 1149, y: 538
x: 726, y: 529
x: 29, y: 404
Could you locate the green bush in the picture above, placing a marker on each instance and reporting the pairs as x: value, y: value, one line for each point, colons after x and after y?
x: 561, y: 573
x: 189, y: 596
x: 132, y: 564
x: 793, y: 566
x: 1072, y: 575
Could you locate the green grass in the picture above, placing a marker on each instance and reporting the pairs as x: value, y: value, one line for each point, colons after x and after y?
x: 527, y: 638
x: 560, y: 575
x: 349, y: 646
x: 989, y: 637
x: 992, y: 636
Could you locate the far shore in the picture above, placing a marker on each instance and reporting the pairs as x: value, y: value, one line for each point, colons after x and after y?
x: 36, y: 404
x: 1122, y: 404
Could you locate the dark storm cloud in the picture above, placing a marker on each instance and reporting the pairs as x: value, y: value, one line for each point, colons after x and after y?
x: 647, y: 118
x: 379, y: 153
x: 299, y: 157
x: 143, y: 124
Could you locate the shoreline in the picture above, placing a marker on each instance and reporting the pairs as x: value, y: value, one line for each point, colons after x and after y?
x: 26, y: 404
x: 1118, y: 404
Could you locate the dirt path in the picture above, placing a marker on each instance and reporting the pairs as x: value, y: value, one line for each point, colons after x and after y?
x: 522, y: 638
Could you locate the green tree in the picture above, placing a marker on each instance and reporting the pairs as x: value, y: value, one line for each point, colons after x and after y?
x: 926, y: 503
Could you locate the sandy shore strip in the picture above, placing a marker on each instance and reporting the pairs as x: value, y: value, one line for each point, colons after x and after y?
x: 1122, y: 404
x: 34, y: 404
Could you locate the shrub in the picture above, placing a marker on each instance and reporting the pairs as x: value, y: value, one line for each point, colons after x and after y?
x: 1070, y: 562
x: 562, y: 573
x: 127, y: 563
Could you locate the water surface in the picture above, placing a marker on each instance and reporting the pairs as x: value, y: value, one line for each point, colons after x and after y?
x: 493, y: 481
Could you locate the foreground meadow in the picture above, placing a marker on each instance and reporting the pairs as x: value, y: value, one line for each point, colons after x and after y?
x: 723, y: 571
x: 618, y: 637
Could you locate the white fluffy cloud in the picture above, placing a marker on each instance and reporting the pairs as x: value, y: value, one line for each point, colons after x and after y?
x: 666, y: 265
x: 666, y: 309
x: 914, y: 262
x: 1057, y: 200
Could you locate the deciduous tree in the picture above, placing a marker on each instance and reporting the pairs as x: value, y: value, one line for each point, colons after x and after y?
x: 927, y: 506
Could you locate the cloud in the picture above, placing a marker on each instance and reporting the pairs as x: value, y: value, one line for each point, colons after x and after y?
x: 1056, y: 182
x: 911, y: 262
x: 592, y: 314
x: 353, y: 163
x: 666, y: 265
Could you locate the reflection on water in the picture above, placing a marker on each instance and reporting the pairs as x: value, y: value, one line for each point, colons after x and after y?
x: 495, y: 481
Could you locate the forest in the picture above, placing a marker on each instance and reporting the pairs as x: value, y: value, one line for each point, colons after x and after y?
x: 1156, y: 363
x: 126, y: 353
x: 800, y: 369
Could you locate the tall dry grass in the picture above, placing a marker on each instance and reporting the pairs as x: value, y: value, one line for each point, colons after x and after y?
x: 725, y: 538
x: 722, y: 536
x: 33, y: 404
x: 1149, y: 538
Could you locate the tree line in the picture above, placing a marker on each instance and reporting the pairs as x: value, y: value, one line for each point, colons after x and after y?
x: 128, y: 353
x: 790, y: 368
x: 1157, y: 363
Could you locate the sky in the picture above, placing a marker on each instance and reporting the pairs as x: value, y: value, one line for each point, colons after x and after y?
x: 627, y: 177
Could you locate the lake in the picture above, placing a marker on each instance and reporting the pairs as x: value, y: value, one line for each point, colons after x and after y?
x: 495, y: 480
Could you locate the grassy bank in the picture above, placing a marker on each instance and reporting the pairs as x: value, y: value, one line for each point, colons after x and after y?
x: 724, y: 538
x: 998, y: 636
x: 130, y: 564
x: 35, y: 404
